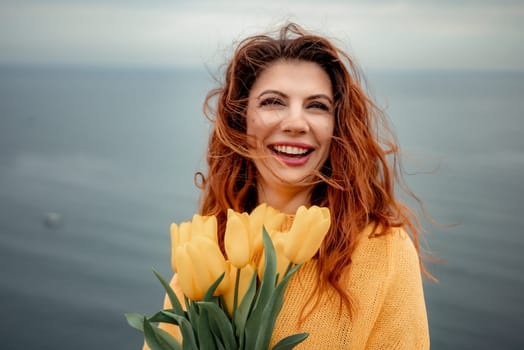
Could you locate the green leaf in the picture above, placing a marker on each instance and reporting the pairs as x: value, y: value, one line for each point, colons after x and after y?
x: 135, y: 320
x: 220, y: 325
x: 162, y: 317
x: 244, y: 309
x: 270, y: 270
x: 205, y: 337
x: 220, y: 346
x: 271, y: 311
x: 188, y: 335
x: 290, y: 342
x: 267, y: 286
x: 192, y: 315
x: 213, y: 287
x: 153, y: 338
x: 168, y: 338
x: 171, y: 294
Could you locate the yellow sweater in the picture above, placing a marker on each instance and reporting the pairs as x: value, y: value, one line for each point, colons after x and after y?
x: 384, y: 282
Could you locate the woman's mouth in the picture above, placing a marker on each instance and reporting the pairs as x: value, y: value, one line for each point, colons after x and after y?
x: 292, y: 155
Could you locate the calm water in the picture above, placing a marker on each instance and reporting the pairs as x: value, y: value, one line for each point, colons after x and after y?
x: 114, y: 152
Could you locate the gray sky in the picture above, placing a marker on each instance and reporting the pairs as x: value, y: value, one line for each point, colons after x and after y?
x: 419, y: 34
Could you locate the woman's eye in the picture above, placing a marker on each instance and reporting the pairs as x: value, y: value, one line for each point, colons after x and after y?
x: 319, y: 105
x: 271, y: 102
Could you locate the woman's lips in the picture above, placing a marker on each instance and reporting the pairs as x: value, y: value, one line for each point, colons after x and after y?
x: 292, y: 154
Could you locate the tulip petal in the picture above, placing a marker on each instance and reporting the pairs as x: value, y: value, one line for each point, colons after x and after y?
x: 274, y: 220
x: 228, y: 294
x: 282, y: 260
x: 306, y: 234
x: 294, y: 239
x: 256, y: 221
x: 236, y: 240
x: 175, y: 237
x: 205, y: 226
x: 201, y: 277
x: 185, y: 273
x: 184, y: 232
x: 213, y: 260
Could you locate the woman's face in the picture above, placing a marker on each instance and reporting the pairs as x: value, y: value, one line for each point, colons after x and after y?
x: 290, y: 115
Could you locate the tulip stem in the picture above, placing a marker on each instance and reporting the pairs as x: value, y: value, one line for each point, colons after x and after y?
x: 235, y: 298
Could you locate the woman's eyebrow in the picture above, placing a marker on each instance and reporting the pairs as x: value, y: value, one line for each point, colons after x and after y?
x: 265, y: 92
x: 326, y: 97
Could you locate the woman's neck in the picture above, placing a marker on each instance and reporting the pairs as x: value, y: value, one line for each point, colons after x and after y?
x: 285, y: 199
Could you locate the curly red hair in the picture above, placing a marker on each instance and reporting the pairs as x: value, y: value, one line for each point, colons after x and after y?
x: 357, y: 182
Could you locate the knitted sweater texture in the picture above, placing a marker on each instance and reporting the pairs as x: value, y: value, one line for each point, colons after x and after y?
x: 385, y: 288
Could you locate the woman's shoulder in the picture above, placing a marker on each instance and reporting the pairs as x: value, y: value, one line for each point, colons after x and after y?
x: 376, y: 238
x: 389, y: 249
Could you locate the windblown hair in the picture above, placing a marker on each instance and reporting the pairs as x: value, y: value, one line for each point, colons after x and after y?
x: 357, y: 182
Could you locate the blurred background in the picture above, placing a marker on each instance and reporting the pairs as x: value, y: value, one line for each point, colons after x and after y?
x: 101, y: 131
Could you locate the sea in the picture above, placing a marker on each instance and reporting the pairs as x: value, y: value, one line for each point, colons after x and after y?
x: 96, y: 162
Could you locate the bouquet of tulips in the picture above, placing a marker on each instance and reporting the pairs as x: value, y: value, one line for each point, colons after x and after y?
x: 232, y: 302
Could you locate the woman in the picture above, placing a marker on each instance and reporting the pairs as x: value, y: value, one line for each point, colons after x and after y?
x: 294, y: 127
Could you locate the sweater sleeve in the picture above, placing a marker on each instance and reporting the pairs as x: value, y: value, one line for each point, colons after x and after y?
x: 168, y: 327
x: 402, y: 319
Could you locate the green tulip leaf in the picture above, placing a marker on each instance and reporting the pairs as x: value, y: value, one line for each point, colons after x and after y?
x: 192, y: 313
x: 271, y: 311
x: 135, y: 320
x: 205, y: 336
x: 270, y: 270
x: 213, y: 287
x: 186, y: 328
x: 267, y: 287
x: 168, y: 338
x: 171, y: 294
x: 290, y: 342
x: 242, y: 313
x: 162, y: 317
x: 220, y: 325
x: 158, y: 339
x: 220, y: 346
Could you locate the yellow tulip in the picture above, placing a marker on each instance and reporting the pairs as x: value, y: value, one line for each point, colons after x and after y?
x: 237, y: 240
x: 246, y: 273
x: 200, y: 262
x: 263, y: 215
x: 256, y: 221
x: 204, y: 225
x: 185, y: 276
x: 306, y: 234
x: 200, y: 226
x: 180, y: 234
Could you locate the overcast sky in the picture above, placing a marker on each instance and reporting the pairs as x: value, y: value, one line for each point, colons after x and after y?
x: 419, y: 34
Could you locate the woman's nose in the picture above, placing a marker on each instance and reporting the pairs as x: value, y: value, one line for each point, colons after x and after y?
x: 295, y: 121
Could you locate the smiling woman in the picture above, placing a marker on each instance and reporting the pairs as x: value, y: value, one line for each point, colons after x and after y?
x: 294, y: 128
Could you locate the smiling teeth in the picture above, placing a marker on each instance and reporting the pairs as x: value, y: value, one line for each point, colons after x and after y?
x: 290, y: 150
